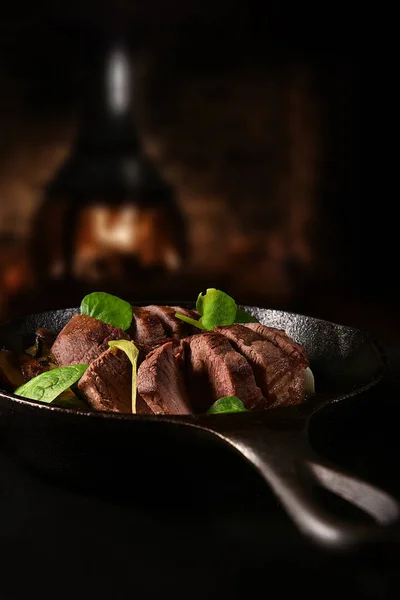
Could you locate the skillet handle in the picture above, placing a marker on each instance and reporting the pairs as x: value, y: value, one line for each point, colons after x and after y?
x: 293, y: 472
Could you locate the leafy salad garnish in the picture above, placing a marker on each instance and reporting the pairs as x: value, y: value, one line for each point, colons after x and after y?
x: 107, y: 308
x: 132, y: 353
x: 227, y: 404
x: 47, y: 386
x: 216, y: 309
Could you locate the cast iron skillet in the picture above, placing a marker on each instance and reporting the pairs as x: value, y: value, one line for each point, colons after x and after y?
x: 98, y: 446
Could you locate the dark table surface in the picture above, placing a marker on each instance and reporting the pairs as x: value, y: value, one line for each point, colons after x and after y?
x: 227, y: 537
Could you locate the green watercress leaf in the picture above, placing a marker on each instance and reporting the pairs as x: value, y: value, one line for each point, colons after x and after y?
x: 227, y: 404
x: 47, y: 386
x: 108, y: 308
x: 132, y: 353
x: 244, y: 317
x: 199, y: 303
x: 216, y: 308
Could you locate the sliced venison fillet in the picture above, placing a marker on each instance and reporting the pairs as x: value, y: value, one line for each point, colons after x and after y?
x: 214, y: 369
x: 277, y: 362
x: 279, y: 338
x: 173, y: 327
x: 83, y: 339
x: 147, y: 330
x: 107, y: 384
x: 160, y: 381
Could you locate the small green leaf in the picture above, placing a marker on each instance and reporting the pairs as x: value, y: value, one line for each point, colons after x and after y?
x: 189, y: 320
x: 216, y: 308
x: 107, y: 308
x: 132, y: 353
x: 47, y: 386
x: 227, y: 404
x: 199, y: 304
x: 244, y: 317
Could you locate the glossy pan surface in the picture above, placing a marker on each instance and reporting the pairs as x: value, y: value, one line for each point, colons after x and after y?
x: 89, y: 448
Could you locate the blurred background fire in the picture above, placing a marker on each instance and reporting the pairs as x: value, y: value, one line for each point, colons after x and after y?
x: 153, y: 149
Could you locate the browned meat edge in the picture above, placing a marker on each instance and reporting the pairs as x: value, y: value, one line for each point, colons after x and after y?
x: 279, y: 338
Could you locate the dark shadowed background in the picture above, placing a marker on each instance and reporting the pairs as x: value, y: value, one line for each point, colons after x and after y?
x: 255, y: 117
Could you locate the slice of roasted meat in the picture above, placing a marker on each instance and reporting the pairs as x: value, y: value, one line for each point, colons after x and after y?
x: 279, y: 338
x: 147, y: 330
x: 153, y: 325
x: 161, y: 383
x: 278, y: 362
x: 214, y: 369
x: 83, y: 339
x: 107, y: 384
x: 173, y: 327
